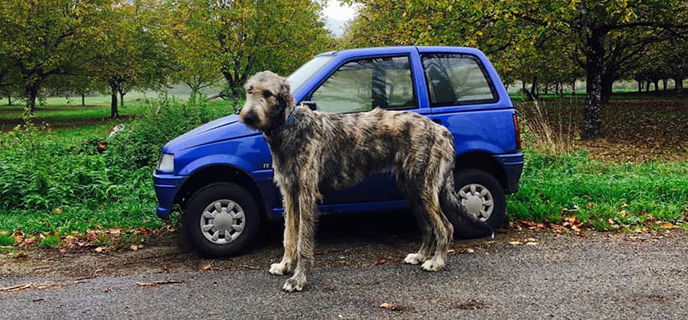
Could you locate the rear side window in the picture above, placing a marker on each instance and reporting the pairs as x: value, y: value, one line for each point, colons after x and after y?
x: 457, y: 79
x: 365, y: 84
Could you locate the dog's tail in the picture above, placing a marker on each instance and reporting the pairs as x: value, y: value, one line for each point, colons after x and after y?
x: 465, y: 224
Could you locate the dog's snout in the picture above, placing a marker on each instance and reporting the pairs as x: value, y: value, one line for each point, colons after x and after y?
x: 250, y: 118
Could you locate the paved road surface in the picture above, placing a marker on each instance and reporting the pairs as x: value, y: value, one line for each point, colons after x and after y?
x: 601, y: 276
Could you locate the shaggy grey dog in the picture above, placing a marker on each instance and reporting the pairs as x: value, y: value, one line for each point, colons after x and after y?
x: 314, y: 151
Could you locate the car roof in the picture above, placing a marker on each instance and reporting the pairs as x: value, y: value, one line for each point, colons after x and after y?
x: 399, y: 49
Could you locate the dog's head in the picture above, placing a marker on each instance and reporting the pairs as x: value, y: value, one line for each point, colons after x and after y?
x: 267, y: 101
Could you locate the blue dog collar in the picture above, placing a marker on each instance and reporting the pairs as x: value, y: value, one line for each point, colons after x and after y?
x: 292, y: 114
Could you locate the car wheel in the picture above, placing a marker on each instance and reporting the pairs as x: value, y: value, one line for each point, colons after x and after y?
x: 482, y: 196
x: 221, y: 220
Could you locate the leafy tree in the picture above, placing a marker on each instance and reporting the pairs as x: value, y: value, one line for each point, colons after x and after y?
x: 194, y: 64
x: 132, y: 52
x: 246, y: 36
x: 43, y: 38
x: 606, y: 33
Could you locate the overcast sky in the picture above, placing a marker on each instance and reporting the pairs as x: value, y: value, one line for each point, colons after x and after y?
x: 337, y: 15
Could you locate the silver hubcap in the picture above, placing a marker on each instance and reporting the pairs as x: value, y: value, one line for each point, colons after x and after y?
x: 222, y: 221
x: 478, y: 200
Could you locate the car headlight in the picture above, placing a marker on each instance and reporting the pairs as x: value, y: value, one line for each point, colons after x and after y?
x: 166, y: 162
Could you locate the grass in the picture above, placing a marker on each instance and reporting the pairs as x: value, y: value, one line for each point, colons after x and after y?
x: 555, y: 186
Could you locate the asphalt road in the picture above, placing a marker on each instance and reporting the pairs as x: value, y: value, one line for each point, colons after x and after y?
x: 601, y: 276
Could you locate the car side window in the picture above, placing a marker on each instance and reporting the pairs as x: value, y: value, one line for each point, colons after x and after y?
x: 365, y: 84
x: 456, y: 79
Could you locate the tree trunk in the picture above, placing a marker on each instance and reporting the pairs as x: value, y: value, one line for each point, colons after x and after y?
x: 678, y: 84
x: 664, y: 84
x: 113, y: 102
x: 573, y: 87
x: 648, y: 85
x: 9, y: 100
x: 83, y: 99
x: 593, y: 69
x: 31, y: 94
x: 607, y: 86
x: 121, y: 99
x: 656, y: 82
x: 640, y: 86
x: 532, y: 95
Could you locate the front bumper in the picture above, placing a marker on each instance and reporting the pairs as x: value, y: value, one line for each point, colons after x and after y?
x: 513, y: 166
x: 166, y: 188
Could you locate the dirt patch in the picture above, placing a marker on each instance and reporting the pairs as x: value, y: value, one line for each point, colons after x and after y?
x: 633, y: 130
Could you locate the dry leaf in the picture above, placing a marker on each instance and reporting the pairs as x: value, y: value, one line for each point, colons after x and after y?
x: 133, y: 247
x: 470, y: 250
x: 206, y: 267
x: 392, y: 307
x: 515, y: 243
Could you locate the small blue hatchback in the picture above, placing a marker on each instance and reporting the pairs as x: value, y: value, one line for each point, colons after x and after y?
x: 221, y: 174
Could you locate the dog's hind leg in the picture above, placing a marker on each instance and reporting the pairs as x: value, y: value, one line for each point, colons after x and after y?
x: 291, y: 229
x: 307, y: 196
x: 426, y: 248
x: 441, y: 228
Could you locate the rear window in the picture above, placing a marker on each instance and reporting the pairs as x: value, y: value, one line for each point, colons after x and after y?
x: 457, y: 79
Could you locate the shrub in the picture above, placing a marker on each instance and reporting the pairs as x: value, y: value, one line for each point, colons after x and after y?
x: 49, y: 183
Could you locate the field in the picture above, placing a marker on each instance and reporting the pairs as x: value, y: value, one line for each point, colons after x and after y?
x: 68, y: 179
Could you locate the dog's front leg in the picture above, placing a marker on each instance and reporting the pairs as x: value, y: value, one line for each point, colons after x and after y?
x: 291, y: 229
x: 307, y: 199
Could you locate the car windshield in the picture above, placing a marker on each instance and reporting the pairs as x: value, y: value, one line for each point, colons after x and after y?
x: 302, y: 74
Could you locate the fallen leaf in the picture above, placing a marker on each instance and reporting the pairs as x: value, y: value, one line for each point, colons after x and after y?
x: 206, y: 267
x: 470, y: 250
x: 99, y: 249
x: 515, y: 243
x: 133, y: 247
x: 393, y: 307
x: 159, y: 282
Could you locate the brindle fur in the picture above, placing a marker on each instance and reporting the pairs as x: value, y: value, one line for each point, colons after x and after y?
x: 323, y: 151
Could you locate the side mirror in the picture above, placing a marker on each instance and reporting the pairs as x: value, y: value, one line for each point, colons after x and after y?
x: 310, y: 104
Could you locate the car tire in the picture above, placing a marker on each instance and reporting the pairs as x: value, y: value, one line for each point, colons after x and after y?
x: 472, y: 182
x: 223, y: 208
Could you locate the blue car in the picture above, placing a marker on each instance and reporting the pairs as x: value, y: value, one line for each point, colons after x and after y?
x: 221, y: 174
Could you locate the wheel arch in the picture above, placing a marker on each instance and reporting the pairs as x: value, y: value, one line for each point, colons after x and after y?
x: 206, y: 175
x: 483, y: 161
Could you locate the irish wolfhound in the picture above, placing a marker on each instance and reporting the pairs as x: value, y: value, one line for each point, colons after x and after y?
x: 314, y: 151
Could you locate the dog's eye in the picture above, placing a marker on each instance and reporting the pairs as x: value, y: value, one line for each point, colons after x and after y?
x: 267, y: 94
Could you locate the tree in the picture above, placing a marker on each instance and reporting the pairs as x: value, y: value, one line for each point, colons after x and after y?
x: 246, y: 36
x: 194, y: 64
x: 597, y: 26
x: 43, y: 38
x: 131, y: 53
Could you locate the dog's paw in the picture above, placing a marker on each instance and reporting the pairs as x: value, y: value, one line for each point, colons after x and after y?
x: 279, y: 268
x: 293, y: 284
x: 414, y: 258
x: 434, y: 264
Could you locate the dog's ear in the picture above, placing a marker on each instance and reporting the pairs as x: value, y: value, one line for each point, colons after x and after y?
x: 284, y: 94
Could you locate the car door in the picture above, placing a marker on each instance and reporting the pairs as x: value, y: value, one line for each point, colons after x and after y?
x: 359, y: 85
x: 463, y: 98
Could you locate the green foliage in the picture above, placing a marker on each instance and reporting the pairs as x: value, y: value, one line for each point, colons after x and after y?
x: 554, y: 186
x: 53, y: 183
x: 50, y: 241
x: 6, y: 240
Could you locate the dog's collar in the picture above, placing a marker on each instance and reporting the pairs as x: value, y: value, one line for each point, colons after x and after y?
x: 292, y: 114
x: 290, y: 118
